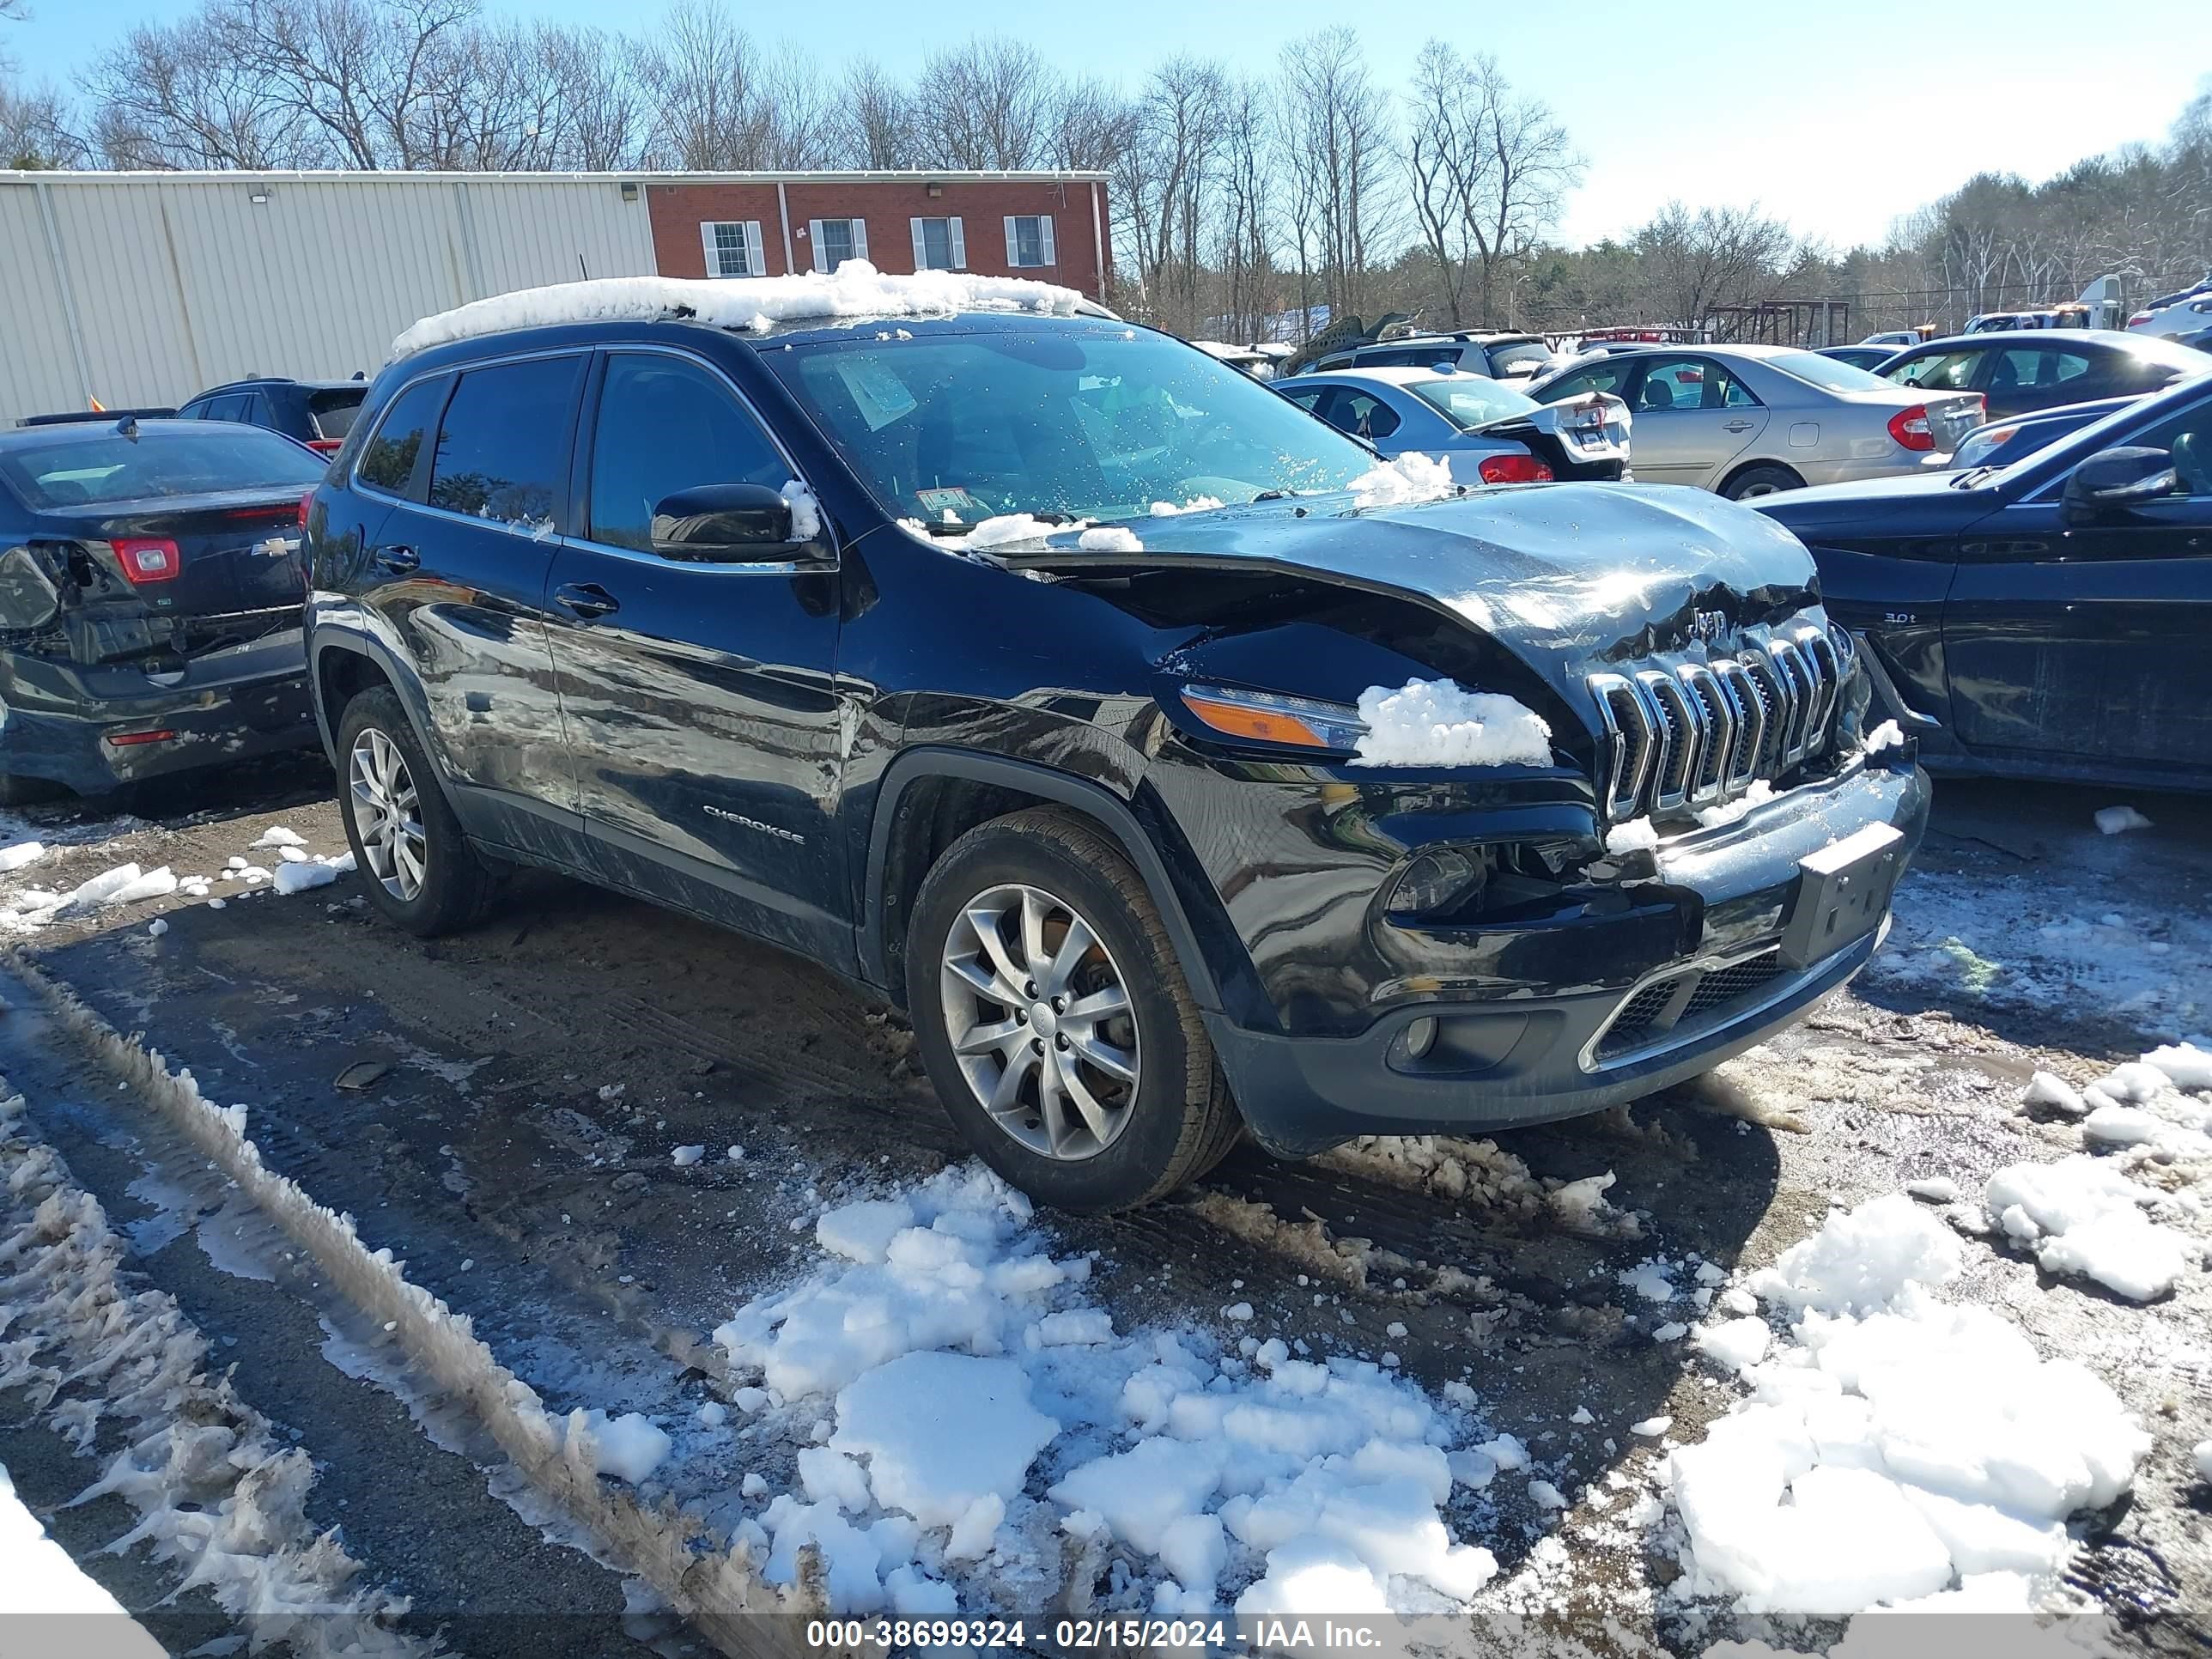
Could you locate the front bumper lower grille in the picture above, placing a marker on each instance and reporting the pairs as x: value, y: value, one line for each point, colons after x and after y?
x: 1682, y: 1006
x: 1699, y: 733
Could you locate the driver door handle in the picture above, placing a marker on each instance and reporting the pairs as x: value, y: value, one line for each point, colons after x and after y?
x: 585, y: 601
x: 396, y: 561
x: 1735, y: 426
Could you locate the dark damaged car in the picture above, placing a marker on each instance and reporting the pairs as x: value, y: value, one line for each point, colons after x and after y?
x: 150, y: 587
x: 1014, y: 667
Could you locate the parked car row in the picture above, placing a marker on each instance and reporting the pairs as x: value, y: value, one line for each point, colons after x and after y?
x: 987, y: 660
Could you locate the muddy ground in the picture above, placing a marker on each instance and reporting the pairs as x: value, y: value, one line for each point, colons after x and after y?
x: 502, y: 1110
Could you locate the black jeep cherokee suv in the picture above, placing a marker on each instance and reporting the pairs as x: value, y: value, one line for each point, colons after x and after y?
x: 748, y: 620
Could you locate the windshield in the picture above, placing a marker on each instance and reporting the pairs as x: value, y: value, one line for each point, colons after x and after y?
x: 1829, y: 374
x: 1522, y: 357
x: 91, y: 469
x: 1088, y: 421
x: 1469, y: 401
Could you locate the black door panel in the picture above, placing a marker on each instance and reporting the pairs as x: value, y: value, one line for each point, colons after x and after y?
x: 705, y: 730
x: 461, y: 577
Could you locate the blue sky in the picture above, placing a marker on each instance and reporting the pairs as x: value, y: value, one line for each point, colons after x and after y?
x: 1663, y: 100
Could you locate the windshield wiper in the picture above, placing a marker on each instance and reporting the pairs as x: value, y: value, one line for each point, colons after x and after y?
x: 1272, y: 495
x: 1972, y: 476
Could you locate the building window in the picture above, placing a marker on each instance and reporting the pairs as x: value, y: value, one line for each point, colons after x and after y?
x: 939, y: 245
x: 1029, y: 240
x: 733, y: 247
x: 836, y: 240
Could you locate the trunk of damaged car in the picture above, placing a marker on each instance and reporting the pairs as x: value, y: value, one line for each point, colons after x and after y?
x: 155, y: 584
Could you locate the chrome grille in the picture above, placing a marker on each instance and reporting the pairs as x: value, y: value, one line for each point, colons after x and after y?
x: 1697, y: 733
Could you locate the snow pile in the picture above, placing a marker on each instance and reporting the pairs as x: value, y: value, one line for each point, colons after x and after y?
x: 1435, y: 723
x: 2082, y: 1215
x: 217, y: 1489
x: 987, y: 1423
x: 806, y: 510
x: 1007, y: 530
x: 2117, y: 820
x: 1637, y: 834
x: 279, y: 835
x: 1408, y: 480
x: 1885, y: 736
x: 21, y: 855
x: 298, y: 876
x: 1729, y: 811
x: 2048, y: 1089
x: 1196, y: 504
x: 1896, y: 1447
x: 629, y: 1447
x: 1110, y: 538
x: 126, y: 883
x: 855, y: 289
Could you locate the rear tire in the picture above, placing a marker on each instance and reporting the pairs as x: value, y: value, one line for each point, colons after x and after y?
x: 16, y: 790
x: 415, y: 861
x: 1766, y: 478
x: 1066, y: 1129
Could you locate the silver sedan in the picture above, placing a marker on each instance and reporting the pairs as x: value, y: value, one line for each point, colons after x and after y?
x: 1750, y: 420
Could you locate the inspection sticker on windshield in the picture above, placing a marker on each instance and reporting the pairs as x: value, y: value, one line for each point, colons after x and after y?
x: 952, y: 499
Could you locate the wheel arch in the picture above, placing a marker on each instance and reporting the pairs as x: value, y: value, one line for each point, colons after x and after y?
x: 341, y: 667
x: 900, y: 850
x: 1741, y: 467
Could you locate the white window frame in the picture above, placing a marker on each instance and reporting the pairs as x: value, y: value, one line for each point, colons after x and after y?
x: 710, y: 244
x: 955, y: 241
x: 1047, y: 256
x: 815, y: 256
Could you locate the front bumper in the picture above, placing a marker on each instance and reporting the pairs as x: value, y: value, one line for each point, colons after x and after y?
x: 1535, y: 1053
x: 221, y: 707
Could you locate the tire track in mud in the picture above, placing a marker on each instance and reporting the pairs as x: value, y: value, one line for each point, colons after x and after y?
x: 712, y: 1586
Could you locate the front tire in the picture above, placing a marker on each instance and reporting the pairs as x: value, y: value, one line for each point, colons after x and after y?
x: 417, y: 864
x: 1053, y: 1017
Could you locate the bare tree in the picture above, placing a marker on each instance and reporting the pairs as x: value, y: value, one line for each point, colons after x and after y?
x: 1693, y: 262
x: 1087, y: 128
x: 178, y: 96
x: 1337, y: 142
x: 876, y: 131
x: 705, y: 79
x: 982, y: 105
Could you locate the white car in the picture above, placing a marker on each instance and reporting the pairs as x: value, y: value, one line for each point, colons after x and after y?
x: 2188, y: 315
x: 1897, y: 338
x: 1487, y: 431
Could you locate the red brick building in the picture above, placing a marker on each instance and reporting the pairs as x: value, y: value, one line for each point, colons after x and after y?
x: 1049, y: 226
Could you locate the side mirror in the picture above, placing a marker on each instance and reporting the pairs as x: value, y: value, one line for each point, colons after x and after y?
x: 2113, y: 480
x: 726, y: 523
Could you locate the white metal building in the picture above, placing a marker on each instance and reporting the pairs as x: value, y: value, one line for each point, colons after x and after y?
x: 143, y: 288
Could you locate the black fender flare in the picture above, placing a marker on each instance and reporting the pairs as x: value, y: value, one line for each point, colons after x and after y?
x: 1106, y: 810
x: 321, y: 641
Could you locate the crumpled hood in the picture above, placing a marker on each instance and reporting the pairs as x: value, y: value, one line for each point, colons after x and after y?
x: 1570, y: 577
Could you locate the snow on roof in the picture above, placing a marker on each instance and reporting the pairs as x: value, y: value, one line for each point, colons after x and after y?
x: 856, y: 290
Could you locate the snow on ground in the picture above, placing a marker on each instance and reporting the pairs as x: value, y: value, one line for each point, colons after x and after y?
x: 218, y: 1491
x: 855, y: 289
x: 977, y: 1424
x: 1436, y: 723
x: 37, y: 1576
x: 1897, y: 1449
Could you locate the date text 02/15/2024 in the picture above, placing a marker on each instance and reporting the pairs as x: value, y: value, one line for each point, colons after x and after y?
x: 1262, y: 1634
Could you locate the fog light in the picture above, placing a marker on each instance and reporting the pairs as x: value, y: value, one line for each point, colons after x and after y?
x: 1433, y: 882
x: 1420, y: 1037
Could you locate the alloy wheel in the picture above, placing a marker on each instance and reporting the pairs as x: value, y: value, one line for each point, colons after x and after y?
x: 387, y: 815
x: 1041, y: 1023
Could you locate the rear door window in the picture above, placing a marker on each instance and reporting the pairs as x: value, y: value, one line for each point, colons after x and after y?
x: 387, y: 460
x: 1938, y: 371
x: 502, y: 450
x: 664, y: 426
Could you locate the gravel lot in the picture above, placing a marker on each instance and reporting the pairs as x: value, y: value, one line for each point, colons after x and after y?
x: 502, y: 1109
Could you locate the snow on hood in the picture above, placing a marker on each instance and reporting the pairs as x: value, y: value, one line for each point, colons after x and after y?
x: 855, y: 289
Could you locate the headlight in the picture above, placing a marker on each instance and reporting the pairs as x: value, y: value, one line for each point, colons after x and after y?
x: 1266, y: 717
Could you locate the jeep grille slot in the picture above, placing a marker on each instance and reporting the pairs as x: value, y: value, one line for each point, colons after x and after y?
x: 1693, y: 733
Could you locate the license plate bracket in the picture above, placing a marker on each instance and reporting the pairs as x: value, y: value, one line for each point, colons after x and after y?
x: 1843, y: 893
